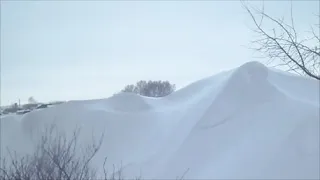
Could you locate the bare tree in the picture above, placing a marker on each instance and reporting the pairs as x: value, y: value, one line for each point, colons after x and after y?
x: 283, y: 46
x: 151, y: 88
x: 31, y: 100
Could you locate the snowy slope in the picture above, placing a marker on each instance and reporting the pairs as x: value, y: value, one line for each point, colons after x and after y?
x: 249, y: 122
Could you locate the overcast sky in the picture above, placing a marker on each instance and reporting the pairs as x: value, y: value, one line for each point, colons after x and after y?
x: 55, y: 50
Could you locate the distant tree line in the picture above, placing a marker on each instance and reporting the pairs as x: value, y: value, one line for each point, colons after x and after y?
x: 143, y: 88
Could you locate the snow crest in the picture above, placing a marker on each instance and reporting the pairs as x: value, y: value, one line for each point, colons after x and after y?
x: 123, y: 102
x: 247, y: 123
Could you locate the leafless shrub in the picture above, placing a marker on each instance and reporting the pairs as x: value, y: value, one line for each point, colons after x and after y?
x: 56, y: 157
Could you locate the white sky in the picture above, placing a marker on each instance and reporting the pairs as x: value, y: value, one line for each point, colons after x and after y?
x: 55, y: 50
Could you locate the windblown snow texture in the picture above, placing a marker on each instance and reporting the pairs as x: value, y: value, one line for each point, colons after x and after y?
x: 251, y: 122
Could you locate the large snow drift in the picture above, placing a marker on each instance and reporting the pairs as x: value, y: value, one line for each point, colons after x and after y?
x: 251, y: 122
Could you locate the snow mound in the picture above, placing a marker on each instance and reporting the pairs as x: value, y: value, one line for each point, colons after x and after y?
x: 247, y: 123
x: 254, y: 71
x: 247, y: 84
x: 246, y: 88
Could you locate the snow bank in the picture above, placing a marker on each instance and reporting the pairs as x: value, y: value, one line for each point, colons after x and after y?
x: 251, y: 122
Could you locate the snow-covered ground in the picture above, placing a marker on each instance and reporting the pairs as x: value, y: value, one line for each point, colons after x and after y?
x: 251, y: 122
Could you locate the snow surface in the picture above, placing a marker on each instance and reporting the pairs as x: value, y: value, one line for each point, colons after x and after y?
x: 251, y: 122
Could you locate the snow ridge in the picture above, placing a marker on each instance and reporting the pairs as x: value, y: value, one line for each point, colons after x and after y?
x: 250, y: 122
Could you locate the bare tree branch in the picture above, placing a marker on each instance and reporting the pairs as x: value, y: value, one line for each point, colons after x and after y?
x: 286, y: 46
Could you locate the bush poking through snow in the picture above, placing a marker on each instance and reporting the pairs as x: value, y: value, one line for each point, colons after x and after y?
x: 55, y: 157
